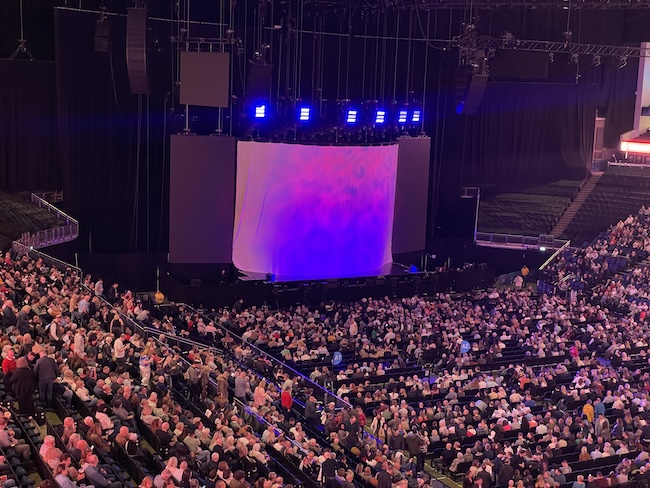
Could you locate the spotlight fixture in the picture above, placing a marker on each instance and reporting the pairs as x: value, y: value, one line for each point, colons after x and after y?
x: 380, y: 117
x: 402, y: 116
x: 304, y: 114
x: 352, y: 116
x: 551, y: 57
x: 260, y: 111
x: 416, y: 116
x: 596, y: 60
x: 622, y: 62
x: 575, y: 59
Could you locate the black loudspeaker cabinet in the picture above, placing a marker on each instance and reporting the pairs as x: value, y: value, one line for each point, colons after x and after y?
x: 469, y: 92
x: 136, y: 50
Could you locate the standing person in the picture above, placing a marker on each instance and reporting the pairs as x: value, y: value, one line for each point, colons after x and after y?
x: 286, y: 398
x: 114, y: 293
x: 99, y: 288
x: 119, y: 352
x: 8, y: 314
x: 8, y: 367
x: 145, y: 366
x: 79, y: 344
x: 23, y: 385
x: 46, y: 371
x: 22, y: 321
x: 241, y: 386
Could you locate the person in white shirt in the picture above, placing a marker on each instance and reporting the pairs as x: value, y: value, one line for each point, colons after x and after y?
x: 80, y: 343
x: 119, y: 350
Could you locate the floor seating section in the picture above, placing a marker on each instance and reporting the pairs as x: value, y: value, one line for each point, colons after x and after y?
x: 525, y: 211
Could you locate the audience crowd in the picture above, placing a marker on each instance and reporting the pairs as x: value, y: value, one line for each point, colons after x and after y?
x: 502, y: 388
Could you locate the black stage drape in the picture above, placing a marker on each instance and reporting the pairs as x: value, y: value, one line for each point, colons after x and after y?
x: 29, y: 158
x: 111, y: 141
x: 96, y: 117
x: 526, y: 132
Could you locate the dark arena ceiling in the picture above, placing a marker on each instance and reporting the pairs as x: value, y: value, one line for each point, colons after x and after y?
x: 481, y: 4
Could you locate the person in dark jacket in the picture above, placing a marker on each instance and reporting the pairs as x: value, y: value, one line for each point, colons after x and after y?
x: 8, y: 315
x: 23, y: 384
x: 311, y: 408
x: 22, y: 321
x: 46, y: 371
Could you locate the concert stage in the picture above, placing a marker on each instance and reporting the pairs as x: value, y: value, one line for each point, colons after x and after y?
x: 391, y: 269
x: 287, y: 293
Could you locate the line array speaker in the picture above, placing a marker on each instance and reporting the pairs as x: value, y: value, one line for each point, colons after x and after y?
x: 470, y: 88
x: 136, y: 50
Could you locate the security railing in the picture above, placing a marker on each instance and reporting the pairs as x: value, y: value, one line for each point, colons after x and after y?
x: 54, y: 196
x: 56, y: 235
x: 185, y: 344
x: 541, y: 242
x: 60, y: 214
x: 51, y: 261
x: 327, y: 394
x: 554, y: 255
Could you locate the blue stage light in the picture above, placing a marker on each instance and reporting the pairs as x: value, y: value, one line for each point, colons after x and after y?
x: 305, y: 114
x: 460, y: 107
x: 416, y: 116
x: 413, y: 269
x: 260, y: 111
x: 402, y: 116
x: 380, y: 117
x: 352, y: 116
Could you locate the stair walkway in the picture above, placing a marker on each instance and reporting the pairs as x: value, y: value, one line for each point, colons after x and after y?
x: 576, y: 204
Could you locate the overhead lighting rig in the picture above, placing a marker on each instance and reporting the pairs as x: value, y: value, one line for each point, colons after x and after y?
x: 384, y: 5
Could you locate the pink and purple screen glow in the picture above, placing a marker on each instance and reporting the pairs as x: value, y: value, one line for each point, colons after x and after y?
x: 311, y: 212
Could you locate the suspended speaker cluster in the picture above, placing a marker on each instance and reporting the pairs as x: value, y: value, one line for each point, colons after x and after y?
x: 136, y: 50
x: 470, y: 88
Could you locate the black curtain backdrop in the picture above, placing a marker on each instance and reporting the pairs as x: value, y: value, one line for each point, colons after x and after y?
x: 111, y: 141
x: 526, y: 132
x: 109, y: 150
x: 29, y: 158
x: 97, y: 120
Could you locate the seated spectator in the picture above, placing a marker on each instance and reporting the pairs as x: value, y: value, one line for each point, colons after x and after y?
x: 96, y: 475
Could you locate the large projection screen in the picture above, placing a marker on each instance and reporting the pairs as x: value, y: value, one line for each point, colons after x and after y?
x: 201, y: 199
x: 311, y: 212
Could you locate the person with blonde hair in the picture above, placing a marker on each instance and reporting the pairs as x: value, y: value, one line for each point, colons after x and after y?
x: 52, y: 457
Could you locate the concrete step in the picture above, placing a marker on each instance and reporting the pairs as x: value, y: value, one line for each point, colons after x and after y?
x: 573, y: 208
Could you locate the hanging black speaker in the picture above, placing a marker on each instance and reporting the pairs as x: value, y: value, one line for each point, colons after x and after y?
x: 258, y: 83
x: 136, y: 50
x: 470, y: 88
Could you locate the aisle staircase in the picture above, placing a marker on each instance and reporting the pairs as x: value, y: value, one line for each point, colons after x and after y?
x: 578, y: 201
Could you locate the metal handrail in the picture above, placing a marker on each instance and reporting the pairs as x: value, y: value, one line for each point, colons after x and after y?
x: 554, y: 255
x: 280, y: 364
x: 42, y: 238
x: 535, y: 241
x: 17, y: 245
x: 236, y: 401
x: 51, y: 208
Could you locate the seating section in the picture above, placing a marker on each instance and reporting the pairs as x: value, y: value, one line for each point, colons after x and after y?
x: 527, y: 211
x: 509, y: 385
x: 619, y: 193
